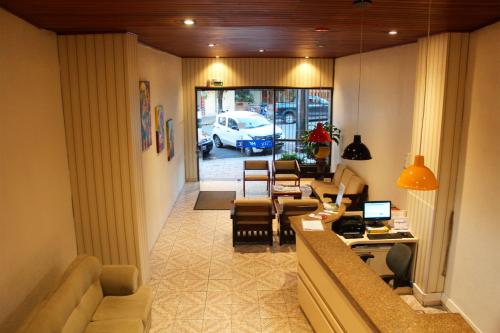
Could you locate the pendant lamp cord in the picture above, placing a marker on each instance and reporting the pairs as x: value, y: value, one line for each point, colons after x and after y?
x: 425, y: 75
x: 359, y: 73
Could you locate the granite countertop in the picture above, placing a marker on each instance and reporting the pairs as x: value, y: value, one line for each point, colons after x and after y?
x: 373, y: 298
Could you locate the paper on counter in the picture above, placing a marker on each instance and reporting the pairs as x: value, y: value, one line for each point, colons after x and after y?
x: 312, y: 225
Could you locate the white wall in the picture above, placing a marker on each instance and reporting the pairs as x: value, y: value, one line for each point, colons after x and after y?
x: 385, y: 120
x: 163, y: 179
x: 473, y: 275
x: 37, y: 239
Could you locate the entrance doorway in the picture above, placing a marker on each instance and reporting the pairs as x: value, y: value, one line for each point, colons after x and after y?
x: 238, y: 124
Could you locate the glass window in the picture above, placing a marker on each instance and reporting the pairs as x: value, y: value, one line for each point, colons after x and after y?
x: 231, y: 123
x: 222, y: 121
x: 253, y: 122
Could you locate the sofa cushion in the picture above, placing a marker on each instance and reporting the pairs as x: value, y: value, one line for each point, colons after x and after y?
x: 355, y: 185
x: 71, y: 306
x: 346, y: 177
x: 286, y: 176
x: 118, y: 326
x: 136, y: 306
x: 338, y: 174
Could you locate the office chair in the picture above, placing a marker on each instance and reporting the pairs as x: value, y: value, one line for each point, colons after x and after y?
x: 398, y: 260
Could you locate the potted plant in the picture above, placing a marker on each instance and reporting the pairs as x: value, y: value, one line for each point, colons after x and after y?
x: 309, y: 148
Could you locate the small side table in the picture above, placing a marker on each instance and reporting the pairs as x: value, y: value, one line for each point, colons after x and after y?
x: 285, y: 191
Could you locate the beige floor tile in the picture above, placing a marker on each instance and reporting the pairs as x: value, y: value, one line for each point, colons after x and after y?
x: 217, y: 326
x: 272, y: 310
x: 195, y: 285
x: 275, y: 325
x: 192, y: 297
x: 271, y: 297
x: 163, y: 326
x: 214, y: 285
x: 244, y: 284
x: 190, y: 311
x: 245, y: 326
x: 300, y: 325
x: 240, y: 297
x: 217, y: 311
x: 245, y: 311
x: 218, y: 297
x: 197, y: 273
x: 188, y: 326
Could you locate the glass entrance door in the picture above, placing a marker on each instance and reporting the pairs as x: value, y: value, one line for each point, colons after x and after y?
x: 296, y: 112
x: 253, y: 123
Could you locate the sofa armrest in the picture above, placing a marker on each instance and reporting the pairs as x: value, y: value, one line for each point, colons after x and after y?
x: 119, y: 280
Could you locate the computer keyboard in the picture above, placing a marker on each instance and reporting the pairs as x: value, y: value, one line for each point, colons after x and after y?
x: 394, y: 235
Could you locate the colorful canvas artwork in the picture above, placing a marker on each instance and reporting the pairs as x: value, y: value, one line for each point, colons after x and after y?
x: 160, y: 128
x: 170, y: 139
x: 145, y: 100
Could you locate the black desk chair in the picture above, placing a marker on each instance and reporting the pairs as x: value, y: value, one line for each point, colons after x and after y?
x: 398, y: 260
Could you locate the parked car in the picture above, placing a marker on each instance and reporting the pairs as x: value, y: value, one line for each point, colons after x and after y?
x: 205, y: 143
x: 229, y: 127
x: 318, y: 109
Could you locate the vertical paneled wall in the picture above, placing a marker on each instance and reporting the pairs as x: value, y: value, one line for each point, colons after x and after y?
x: 238, y: 72
x: 430, y: 211
x: 99, y: 82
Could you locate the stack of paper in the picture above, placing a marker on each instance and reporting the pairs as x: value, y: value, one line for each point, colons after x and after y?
x: 312, y: 225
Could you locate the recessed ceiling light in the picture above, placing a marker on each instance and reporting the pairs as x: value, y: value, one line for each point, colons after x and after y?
x: 211, y: 45
x: 188, y: 21
x: 261, y: 50
x: 393, y: 32
x: 321, y: 29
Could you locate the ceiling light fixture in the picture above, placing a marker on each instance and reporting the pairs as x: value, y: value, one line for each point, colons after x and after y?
x: 321, y: 29
x: 211, y: 45
x: 393, y: 32
x: 307, y: 57
x: 261, y: 50
x: 418, y: 176
x: 188, y: 21
x: 357, y: 150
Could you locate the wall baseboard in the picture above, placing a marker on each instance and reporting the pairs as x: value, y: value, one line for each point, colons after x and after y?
x: 426, y: 299
x: 453, y: 307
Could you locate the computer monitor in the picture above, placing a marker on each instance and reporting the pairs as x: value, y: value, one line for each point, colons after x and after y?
x: 376, y: 211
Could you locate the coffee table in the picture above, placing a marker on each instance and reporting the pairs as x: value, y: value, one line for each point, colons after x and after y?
x: 285, y: 191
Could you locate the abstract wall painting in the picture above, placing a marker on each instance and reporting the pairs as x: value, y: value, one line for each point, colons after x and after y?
x: 145, y: 99
x: 170, y: 139
x: 160, y: 128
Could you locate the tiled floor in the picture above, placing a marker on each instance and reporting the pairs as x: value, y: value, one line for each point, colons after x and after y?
x: 210, y: 169
x: 203, y: 284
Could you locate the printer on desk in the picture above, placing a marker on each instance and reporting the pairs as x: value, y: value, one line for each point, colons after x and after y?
x: 350, y: 226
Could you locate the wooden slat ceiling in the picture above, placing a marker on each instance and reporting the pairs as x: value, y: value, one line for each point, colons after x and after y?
x: 284, y: 28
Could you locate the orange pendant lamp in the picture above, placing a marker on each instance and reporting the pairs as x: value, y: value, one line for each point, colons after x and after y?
x: 418, y: 176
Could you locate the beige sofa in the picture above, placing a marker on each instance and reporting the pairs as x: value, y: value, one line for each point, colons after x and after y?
x: 94, y: 298
x: 356, y: 190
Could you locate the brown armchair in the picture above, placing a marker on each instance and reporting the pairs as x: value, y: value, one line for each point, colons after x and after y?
x: 252, y: 220
x: 286, y: 171
x: 289, y: 208
x: 259, y: 165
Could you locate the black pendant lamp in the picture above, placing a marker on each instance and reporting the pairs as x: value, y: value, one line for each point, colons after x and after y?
x: 357, y: 150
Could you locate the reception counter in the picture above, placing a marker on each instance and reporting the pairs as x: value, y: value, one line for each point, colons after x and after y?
x: 340, y: 293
